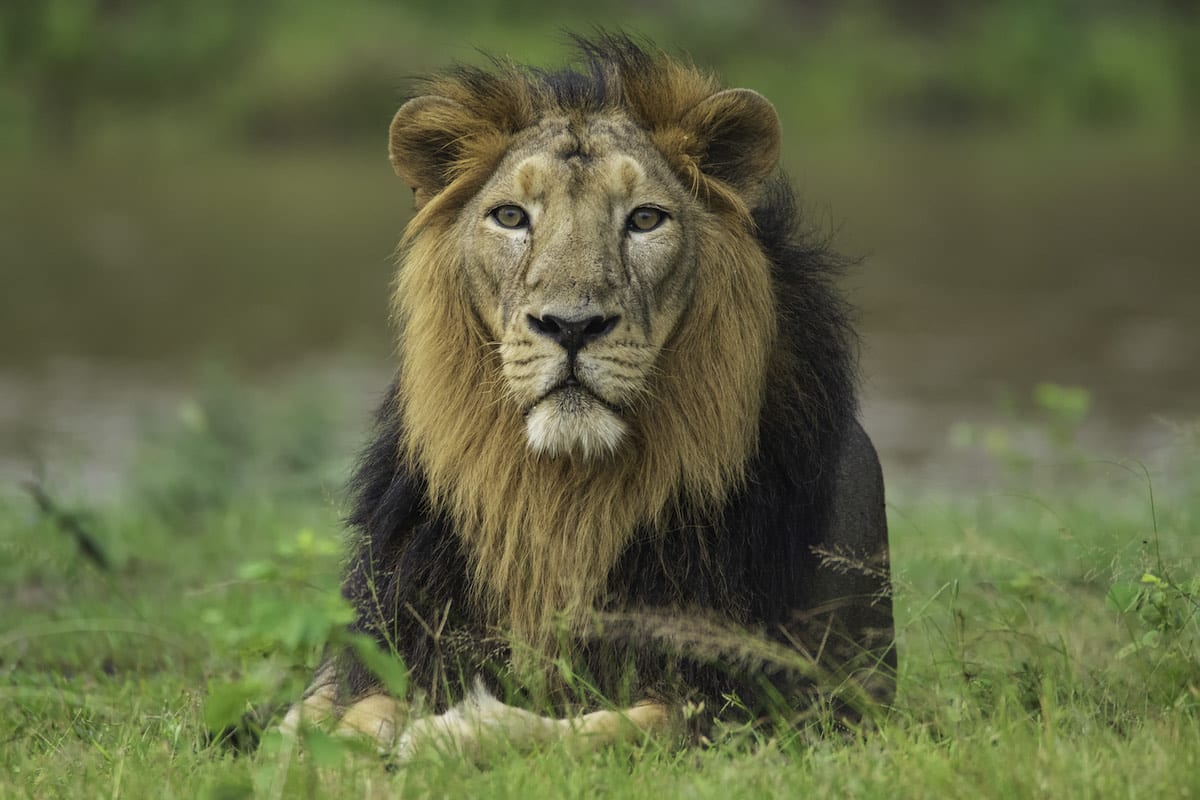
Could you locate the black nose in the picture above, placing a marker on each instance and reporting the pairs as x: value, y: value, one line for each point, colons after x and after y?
x: 572, y: 334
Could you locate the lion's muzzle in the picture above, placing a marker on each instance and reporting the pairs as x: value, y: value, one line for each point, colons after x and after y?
x: 572, y: 332
x: 572, y: 413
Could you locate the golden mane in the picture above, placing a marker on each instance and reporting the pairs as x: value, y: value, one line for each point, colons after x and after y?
x: 542, y: 534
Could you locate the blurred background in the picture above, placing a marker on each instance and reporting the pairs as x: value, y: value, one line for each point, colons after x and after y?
x: 190, y: 190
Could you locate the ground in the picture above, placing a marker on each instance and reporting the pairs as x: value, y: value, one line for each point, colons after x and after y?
x: 210, y: 578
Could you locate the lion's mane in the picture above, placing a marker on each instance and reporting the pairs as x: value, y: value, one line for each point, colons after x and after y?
x: 463, y: 532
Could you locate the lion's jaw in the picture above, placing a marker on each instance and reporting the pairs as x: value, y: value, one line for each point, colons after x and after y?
x: 573, y: 420
x: 580, y: 300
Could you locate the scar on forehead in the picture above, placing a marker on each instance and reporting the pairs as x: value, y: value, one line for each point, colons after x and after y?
x: 575, y: 147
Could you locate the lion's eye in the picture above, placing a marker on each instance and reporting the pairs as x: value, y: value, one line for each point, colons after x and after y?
x: 646, y: 218
x: 510, y: 217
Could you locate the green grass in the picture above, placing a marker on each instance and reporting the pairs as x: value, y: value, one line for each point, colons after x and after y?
x: 1019, y: 676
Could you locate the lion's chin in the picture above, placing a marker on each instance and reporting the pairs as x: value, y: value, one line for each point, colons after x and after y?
x: 573, y: 421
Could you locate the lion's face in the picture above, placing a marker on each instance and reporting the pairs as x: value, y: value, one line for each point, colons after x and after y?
x: 580, y: 257
x: 582, y: 277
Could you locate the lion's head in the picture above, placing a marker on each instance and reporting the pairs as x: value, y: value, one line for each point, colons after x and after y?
x: 586, y: 318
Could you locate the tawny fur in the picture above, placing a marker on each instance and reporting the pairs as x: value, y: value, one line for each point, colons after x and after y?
x: 543, y: 533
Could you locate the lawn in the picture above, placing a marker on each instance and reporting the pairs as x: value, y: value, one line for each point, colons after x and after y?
x: 1048, y: 623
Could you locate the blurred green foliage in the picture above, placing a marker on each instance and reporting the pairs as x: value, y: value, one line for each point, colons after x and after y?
x: 224, y: 446
x: 308, y: 70
x: 67, y: 56
x: 1020, y: 440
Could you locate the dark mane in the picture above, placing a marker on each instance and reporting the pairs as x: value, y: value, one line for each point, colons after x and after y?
x: 597, y: 80
x: 596, y: 83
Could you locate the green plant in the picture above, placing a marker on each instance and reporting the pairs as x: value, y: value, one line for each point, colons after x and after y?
x: 1164, y: 628
x: 282, y: 639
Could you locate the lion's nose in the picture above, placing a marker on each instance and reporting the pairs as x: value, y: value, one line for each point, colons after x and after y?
x: 572, y: 334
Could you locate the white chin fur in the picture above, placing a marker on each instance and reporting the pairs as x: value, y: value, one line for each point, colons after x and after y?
x: 569, y: 422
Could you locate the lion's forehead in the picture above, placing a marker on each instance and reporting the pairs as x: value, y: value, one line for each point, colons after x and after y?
x: 615, y: 177
x: 602, y: 159
x: 584, y: 138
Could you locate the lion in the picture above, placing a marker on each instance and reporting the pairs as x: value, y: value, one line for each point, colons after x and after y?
x: 618, y: 487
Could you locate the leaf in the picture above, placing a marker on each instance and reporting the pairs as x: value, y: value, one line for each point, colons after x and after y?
x: 1068, y: 402
x: 338, y: 611
x: 386, y: 666
x: 1123, y: 596
x: 323, y: 749
x: 226, y: 703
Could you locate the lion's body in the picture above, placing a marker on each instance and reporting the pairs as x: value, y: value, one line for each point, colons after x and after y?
x: 623, y: 431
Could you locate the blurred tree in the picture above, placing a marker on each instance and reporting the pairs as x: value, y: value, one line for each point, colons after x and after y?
x: 68, y: 55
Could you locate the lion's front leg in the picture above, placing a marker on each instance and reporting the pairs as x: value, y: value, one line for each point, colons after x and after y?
x: 318, y: 704
x: 375, y: 717
x: 481, y: 725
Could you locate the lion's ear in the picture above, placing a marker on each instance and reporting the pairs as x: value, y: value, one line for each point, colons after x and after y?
x: 739, y: 137
x: 425, y: 142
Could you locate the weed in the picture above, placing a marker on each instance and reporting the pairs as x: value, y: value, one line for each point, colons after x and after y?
x: 1164, y: 629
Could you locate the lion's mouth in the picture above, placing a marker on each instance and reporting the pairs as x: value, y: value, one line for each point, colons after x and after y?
x: 574, y: 394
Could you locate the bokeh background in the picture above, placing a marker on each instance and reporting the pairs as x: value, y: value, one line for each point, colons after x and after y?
x: 190, y: 189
